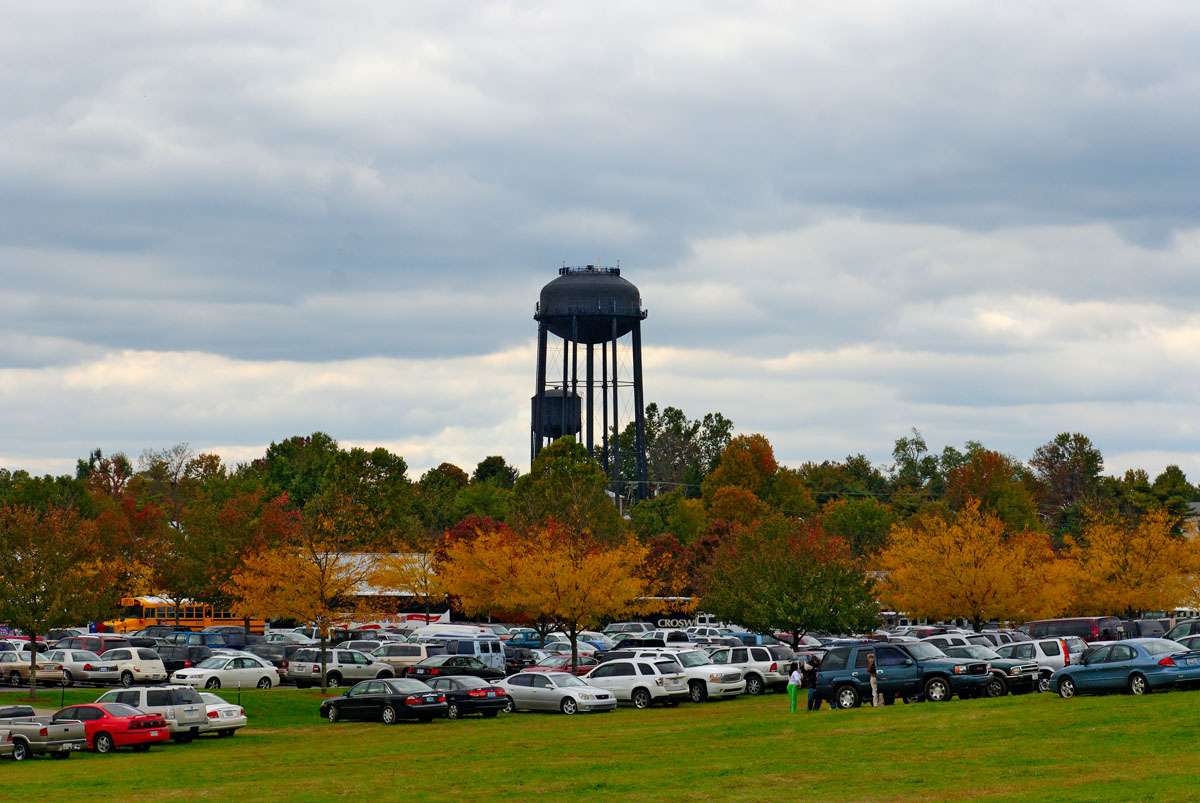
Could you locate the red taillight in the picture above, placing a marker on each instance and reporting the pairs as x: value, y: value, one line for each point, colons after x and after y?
x: 1167, y: 661
x: 774, y: 667
x: 213, y: 715
x: 442, y: 699
x: 87, y: 667
x: 477, y: 693
x: 411, y: 701
x: 316, y: 669
x: 187, y: 663
x: 43, y: 732
x: 241, y: 712
x: 283, y: 664
x: 433, y: 671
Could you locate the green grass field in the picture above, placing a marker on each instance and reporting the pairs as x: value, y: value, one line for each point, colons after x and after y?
x: 1036, y: 747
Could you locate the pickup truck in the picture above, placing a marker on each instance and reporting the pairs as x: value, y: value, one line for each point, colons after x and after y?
x: 33, y: 735
x: 908, y: 671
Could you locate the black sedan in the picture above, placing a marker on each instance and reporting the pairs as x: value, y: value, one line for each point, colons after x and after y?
x: 387, y: 701
x: 441, y: 665
x: 469, y: 695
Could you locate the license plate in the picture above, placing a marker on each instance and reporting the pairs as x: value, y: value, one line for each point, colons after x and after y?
x: 153, y: 733
x: 431, y: 699
x: 1191, y: 661
x: 227, y: 714
x: 492, y: 694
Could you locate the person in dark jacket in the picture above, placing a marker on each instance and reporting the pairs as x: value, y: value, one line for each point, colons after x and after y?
x: 808, y: 672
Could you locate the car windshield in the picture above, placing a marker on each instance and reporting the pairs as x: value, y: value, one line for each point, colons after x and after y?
x: 120, y: 710
x: 212, y: 663
x: 693, y: 658
x: 566, y: 680
x: 924, y: 652
x: 1161, y: 646
x: 212, y: 699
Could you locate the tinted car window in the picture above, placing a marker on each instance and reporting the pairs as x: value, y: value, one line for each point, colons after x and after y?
x: 835, y: 659
x: 1097, y: 656
x: 622, y: 670
x: 185, y: 696
x: 889, y: 656
x: 147, y: 655
x: 646, y: 669
x: 1120, y: 652
x: 539, y: 682
x: 860, y: 661
x: 157, y: 698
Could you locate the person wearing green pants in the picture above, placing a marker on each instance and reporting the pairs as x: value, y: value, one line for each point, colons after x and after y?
x: 794, y: 682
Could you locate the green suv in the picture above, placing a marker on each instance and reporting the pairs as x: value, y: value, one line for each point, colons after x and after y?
x: 908, y: 671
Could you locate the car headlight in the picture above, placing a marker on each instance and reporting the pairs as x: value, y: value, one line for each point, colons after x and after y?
x: 960, y: 670
x: 586, y: 697
x: 1013, y: 671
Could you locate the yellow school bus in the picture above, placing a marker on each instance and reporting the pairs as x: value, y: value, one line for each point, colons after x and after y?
x: 139, y: 612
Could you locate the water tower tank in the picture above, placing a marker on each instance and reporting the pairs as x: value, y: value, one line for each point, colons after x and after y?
x: 593, y: 298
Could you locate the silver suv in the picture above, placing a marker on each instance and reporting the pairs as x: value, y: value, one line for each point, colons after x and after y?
x: 180, y: 706
x: 762, y: 667
x: 341, y: 667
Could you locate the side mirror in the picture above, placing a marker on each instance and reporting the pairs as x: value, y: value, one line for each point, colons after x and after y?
x: 908, y: 662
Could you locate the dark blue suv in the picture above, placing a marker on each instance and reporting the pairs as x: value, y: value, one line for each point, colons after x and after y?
x: 908, y: 671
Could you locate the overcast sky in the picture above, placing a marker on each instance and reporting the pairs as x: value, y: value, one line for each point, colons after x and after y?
x: 226, y: 223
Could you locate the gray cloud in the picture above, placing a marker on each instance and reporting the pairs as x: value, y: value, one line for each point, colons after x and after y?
x: 980, y: 219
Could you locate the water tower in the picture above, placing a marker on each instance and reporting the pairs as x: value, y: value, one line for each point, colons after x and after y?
x: 591, y: 306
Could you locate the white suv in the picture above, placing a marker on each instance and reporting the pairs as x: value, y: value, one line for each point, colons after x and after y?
x: 341, y: 666
x: 762, y: 667
x: 1050, y: 654
x: 180, y: 706
x: 642, y: 681
x: 704, y: 678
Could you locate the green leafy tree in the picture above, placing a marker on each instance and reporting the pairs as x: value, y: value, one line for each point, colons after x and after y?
x: 1066, y: 475
x: 297, y: 466
x: 495, y: 471
x: 567, y: 486
x: 783, y: 574
x: 862, y: 522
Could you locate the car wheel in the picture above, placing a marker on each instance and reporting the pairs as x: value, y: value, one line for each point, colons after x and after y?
x: 937, y: 690
x: 14, y: 679
x: 509, y: 706
x: 68, y: 681
x: 127, y: 679
x: 452, y: 711
x: 847, y: 697
x: 102, y: 743
x: 212, y: 683
x: 568, y: 705
x: 754, y: 685
x: 1043, y: 684
x: 141, y: 748
x: 1066, y: 688
x: 1138, y: 685
x: 264, y: 683
x: 641, y: 698
x: 21, y: 751
x: 332, y: 714
x: 996, y: 687
x: 697, y: 692
x: 334, y: 680
x: 388, y: 715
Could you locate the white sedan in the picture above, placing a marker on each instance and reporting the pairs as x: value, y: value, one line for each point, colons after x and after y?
x: 223, y: 718
x: 241, y: 671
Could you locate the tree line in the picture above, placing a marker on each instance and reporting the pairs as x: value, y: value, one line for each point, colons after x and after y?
x: 303, y: 530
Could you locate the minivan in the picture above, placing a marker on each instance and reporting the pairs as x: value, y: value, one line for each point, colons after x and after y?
x: 488, y: 649
x: 1088, y: 628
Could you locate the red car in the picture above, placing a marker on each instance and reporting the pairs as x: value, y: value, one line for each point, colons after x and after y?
x: 113, y: 725
x: 562, y: 663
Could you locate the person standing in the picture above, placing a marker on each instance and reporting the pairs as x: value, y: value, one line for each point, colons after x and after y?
x: 873, y: 671
x: 811, y: 666
x: 794, y: 683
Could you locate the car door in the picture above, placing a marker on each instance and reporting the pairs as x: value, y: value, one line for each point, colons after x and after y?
x: 542, y: 696
x: 1117, y: 667
x: 897, y: 673
x: 520, y: 689
x: 356, y: 704
x: 623, y: 678
x: 1090, y: 676
x: 602, y: 677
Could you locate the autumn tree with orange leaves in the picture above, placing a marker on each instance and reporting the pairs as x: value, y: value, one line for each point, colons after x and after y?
x: 1132, y: 566
x: 313, y: 573
x: 547, y: 575
x: 968, y: 565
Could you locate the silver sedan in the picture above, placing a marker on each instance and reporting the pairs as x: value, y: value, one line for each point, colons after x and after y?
x: 555, y: 691
x: 82, y: 666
